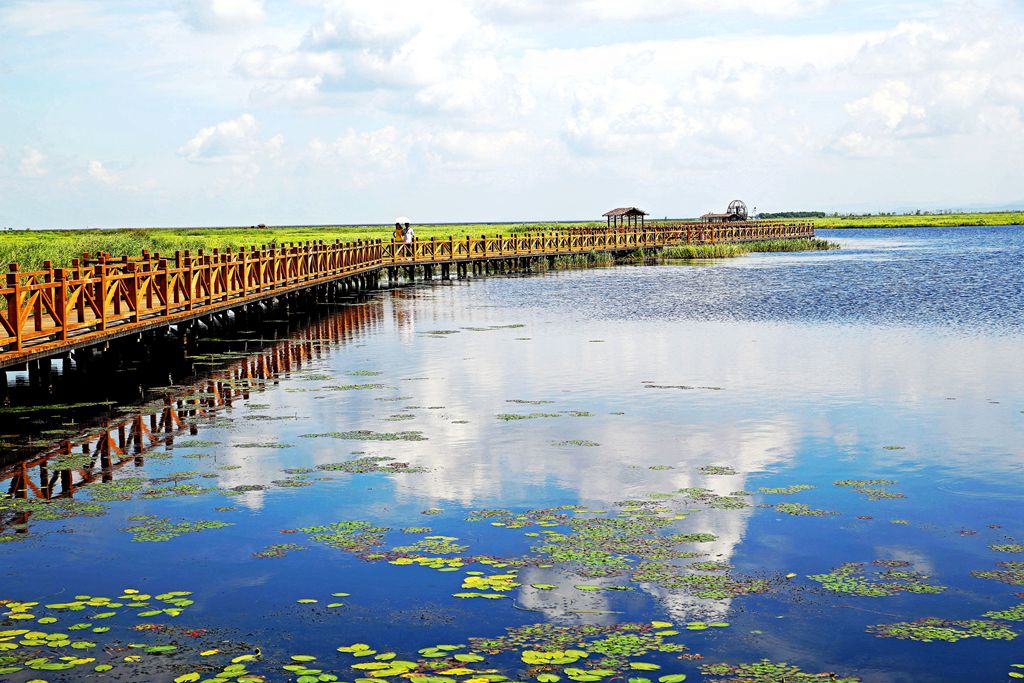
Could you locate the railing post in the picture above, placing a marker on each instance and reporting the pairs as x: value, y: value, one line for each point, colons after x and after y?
x: 165, y: 285
x: 60, y: 298
x: 190, y: 272
x: 14, y: 304
x: 37, y: 305
x: 101, y: 269
x: 133, y: 292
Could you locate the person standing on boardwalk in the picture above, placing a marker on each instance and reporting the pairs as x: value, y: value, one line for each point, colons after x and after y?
x: 409, y: 234
x: 399, y: 233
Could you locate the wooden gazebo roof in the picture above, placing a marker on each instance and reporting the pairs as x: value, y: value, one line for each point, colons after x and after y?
x: 625, y: 211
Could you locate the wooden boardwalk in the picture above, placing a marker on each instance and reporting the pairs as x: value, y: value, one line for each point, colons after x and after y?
x: 49, y: 312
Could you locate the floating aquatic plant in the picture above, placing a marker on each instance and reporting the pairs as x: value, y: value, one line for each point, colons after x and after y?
x: 1011, y: 573
x: 767, y: 671
x: 292, y: 482
x: 353, y: 536
x: 433, y: 545
x: 801, y: 510
x: 157, y: 529
x: 370, y: 464
x: 1015, y: 613
x: 511, y: 417
x: 853, y: 578
x: 786, y: 490
x: 51, y: 509
x: 931, y: 629
x: 872, y: 488
x: 707, y: 586
x: 1008, y: 548
x: 278, y: 550
x: 717, y: 470
x: 367, y: 435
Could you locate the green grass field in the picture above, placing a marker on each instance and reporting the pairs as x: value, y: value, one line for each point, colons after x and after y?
x: 924, y: 221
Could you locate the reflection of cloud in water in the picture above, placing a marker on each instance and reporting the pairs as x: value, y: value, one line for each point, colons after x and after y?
x: 566, y: 604
x: 920, y: 562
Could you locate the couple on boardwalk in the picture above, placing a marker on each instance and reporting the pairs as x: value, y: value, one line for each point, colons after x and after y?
x: 405, y: 234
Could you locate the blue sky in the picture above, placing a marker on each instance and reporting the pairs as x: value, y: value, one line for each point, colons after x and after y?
x: 228, y: 112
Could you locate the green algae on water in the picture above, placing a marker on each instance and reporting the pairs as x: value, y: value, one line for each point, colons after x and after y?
x: 854, y: 578
x: 931, y: 629
x: 158, y: 529
x: 278, y: 550
x: 370, y: 464
x: 367, y: 435
x: 511, y: 417
x: 353, y: 536
x: 786, y: 490
x: 717, y: 470
x: 801, y: 510
x: 767, y: 671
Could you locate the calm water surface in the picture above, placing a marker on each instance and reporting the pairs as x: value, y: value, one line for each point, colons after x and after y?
x: 659, y: 400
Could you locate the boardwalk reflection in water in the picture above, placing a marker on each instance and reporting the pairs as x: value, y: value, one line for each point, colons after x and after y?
x: 98, y: 453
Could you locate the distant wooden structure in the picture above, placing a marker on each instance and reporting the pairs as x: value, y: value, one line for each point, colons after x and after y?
x: 737, y: 211
x: 626, y: 216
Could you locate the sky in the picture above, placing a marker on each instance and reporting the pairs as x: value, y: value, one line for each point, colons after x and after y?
x: 235, y: 112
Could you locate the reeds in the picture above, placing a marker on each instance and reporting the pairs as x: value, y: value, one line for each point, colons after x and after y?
x: 732, y: 250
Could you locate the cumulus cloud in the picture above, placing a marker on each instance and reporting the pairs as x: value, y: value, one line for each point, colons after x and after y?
x: 224, y: 15
x: 930, y: 82
x: 272, y: 63
x: 31, y: 165
x: 236, y: 141
x: 889, y: 106
x: 363, y: 156
x: 100, y: 174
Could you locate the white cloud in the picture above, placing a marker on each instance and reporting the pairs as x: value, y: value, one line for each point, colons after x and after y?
x: 270, y: 62
x: 224, y: 15
x: 890, y: 106
x: 53, y: 16
x: 100, y: 174
x: 363, y: 157
x: 475, y: 150
x: 640, y: 10
x: 235, y: 142
x: 922, y: 83
x: 32, y: 163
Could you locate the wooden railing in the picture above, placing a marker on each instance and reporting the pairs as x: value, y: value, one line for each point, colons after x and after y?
x: 103, y: 296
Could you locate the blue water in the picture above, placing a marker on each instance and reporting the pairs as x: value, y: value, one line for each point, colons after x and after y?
x: 897, y: 357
